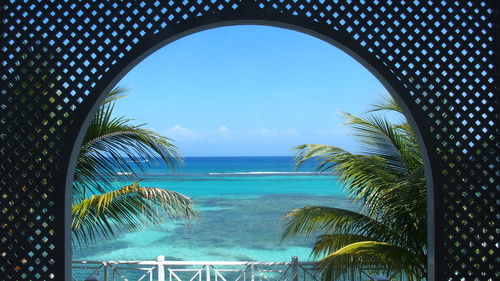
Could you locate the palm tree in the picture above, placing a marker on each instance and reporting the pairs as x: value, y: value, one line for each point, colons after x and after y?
x: 389, y: 232
x: 113, y: 150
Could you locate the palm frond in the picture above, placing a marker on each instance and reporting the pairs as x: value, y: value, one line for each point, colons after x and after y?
x: 387, y: 176
x: 326, y: 157
x: 386, y: 103
x: 376, y: 255
x: 115, y: 94
x: 112, y: 145
x: 131, y: 206
x: 114, y: 150
x: 328, y: 243
x: 405, y: 205
x: 379, y: 137
x: 314, y: 219
x: 361, y: 175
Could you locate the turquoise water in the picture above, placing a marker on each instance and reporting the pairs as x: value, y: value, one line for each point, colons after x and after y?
x: 242, y: 202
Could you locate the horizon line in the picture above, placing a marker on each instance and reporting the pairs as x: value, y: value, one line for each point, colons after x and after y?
x: 237, y: 156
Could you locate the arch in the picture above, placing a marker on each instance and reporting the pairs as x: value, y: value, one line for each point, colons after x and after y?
x: 368, y: 62
x: 438, y: 60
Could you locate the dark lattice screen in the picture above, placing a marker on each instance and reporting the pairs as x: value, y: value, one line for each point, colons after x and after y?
x: 58, y: 57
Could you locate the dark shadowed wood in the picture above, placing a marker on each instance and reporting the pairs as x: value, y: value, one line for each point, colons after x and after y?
x: 439, y: 59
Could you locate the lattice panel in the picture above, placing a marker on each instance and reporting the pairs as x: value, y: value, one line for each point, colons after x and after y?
x: 59, y: 57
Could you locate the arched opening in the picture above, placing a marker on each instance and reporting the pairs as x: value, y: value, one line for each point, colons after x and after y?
x: 440, y: 57
x: 392, y: 90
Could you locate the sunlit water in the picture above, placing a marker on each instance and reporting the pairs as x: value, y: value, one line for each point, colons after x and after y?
x: 242, y: 201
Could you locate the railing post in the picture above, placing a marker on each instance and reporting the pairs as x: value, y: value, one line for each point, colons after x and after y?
x: 207, y: 267
x: 161, y: 270
x: 295, y: 268
x: 252, y: 272
x: 105, y: 269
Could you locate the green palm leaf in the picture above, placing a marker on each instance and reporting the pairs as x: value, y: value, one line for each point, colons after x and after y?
x: 313, y: 219
x: 114, y: 150
x: 373, y: 254
x: 132, y: 206
x: 328, y: 243
x: 115, y: 94
x: 386, y: 103
x: 389, y: 231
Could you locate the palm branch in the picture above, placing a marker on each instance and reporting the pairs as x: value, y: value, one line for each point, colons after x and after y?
x: 114, y: 150
x: 380, y: 256
x: 132, y: 206
x: 313, y: 219
x: 389, y: 231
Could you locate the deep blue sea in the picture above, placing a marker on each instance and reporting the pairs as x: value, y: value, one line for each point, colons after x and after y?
x: 242, y: 201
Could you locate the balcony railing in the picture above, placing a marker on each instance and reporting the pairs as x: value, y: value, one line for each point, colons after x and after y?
x: 162, y: 270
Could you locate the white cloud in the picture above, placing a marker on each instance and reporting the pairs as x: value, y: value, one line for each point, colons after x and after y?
x: 179, y: 132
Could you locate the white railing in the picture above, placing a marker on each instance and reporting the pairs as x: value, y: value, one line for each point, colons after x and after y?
x: 162, y: 270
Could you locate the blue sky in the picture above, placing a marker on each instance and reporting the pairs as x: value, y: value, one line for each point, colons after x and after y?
x: 248, y: 91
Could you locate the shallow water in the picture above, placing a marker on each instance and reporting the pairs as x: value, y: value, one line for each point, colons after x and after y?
x: 241, y: 212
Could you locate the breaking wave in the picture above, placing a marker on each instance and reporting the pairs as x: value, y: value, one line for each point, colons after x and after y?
x: 262, y: 173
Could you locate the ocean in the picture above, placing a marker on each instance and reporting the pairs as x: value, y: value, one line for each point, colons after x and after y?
x: 242, y: 203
